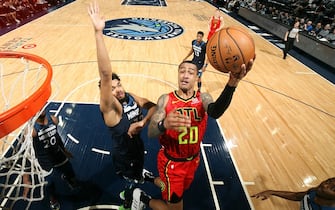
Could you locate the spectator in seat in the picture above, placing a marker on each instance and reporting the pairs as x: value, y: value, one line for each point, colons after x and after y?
x: 10, y: 13
x: 302, y: 24
x: 316, y: 29
x: 324, y: 32
x: 331, y: 37
x: 308, y: 27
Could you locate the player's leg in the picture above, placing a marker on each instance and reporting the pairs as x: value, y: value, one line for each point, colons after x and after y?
x: 140, y: 200
x: 285, y: 50
x: 290, y: 43
x: 188, y: 171
x: 68, y: 175
x: 191, y: 167
x: 172, y: 176
x: 51, y: 191
x: 176, y: 206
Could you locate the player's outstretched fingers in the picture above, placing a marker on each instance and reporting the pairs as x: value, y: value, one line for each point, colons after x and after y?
x: 174, y: 120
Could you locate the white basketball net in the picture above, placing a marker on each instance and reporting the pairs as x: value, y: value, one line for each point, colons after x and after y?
x: 17, y: 156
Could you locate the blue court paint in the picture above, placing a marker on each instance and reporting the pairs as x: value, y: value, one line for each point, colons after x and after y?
x: 100, y: 185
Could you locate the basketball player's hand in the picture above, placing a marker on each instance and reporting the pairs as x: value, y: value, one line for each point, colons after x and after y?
x: 135, y: 128
x: 97, y: 20
x: 174, y: 120
x: 234, y: 78
x: 26, y: 191
x: 26, y: 181
x: 263, y: 195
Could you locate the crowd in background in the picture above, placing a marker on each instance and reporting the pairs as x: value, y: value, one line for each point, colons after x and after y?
x: 15, y: 11
x: 316, y: 17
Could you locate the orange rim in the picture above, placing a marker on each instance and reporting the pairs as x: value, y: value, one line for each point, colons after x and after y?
x: 21, y: 113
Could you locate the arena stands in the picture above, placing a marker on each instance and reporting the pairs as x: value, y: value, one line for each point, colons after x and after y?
x: 14, y: 12
x: 316, y: 17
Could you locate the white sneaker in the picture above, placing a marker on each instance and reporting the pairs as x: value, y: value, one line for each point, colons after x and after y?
x: 147, y: 174
x: 137, y: 204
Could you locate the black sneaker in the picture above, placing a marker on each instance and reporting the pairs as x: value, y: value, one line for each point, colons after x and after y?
x: 72, y: 182
x: 54, y: 205
x: 127, y: 197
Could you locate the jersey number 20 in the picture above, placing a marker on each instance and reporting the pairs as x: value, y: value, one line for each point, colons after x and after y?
x: 193, y: 134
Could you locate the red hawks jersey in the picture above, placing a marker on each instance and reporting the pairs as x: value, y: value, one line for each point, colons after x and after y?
x: 215, y: 23
x: 186, y: 142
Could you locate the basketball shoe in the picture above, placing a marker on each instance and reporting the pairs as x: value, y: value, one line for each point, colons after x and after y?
x: 136, y: 203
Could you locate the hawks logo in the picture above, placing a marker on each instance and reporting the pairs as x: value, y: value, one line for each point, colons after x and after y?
x: 142, y: 29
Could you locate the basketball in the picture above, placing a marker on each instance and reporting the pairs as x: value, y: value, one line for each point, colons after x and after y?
x: 229, y: 48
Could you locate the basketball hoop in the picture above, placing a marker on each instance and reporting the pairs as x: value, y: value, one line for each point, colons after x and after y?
x: 17, y: 156
x: 19, y: 114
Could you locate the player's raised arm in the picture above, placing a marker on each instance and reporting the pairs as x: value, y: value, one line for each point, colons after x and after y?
x: 146, y: 104
x: 217, y: 108
x: 136, y: 127
x: 108, y: 103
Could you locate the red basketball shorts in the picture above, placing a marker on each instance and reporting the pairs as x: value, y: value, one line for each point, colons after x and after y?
x: 176, y: 176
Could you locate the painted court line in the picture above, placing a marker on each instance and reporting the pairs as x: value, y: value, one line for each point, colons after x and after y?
x: 249, y: 183
x: 236, y: 168
x: 218, y: 182
x: 209, y: 176
x: 100, y: 151
x: 96, y: 79
x: 72, y: 138
x: 60, y: 121
x: 100, y: 207
x: 307, y: 73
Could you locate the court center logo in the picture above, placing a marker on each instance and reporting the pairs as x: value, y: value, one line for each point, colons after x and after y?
x: 142, y: 29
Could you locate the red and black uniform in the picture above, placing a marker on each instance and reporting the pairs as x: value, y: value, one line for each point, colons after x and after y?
x: 178, y: 158
x: 215, y: 24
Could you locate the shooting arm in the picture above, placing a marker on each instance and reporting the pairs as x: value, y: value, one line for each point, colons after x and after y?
x: 217, y: 108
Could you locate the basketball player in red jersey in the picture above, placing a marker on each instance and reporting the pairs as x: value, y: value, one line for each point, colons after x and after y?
x: 215, y: 23
x: 180, y: 122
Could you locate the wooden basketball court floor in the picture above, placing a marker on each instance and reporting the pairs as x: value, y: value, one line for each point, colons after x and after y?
x: 279, y: 128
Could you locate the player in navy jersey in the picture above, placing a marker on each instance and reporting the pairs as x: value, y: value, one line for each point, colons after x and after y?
x: 122, y: 114
x: 321, y: 197
x: 199, y: 55
x: 51, y: 155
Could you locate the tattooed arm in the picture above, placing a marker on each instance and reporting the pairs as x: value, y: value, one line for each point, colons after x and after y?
x: 159, y: 115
